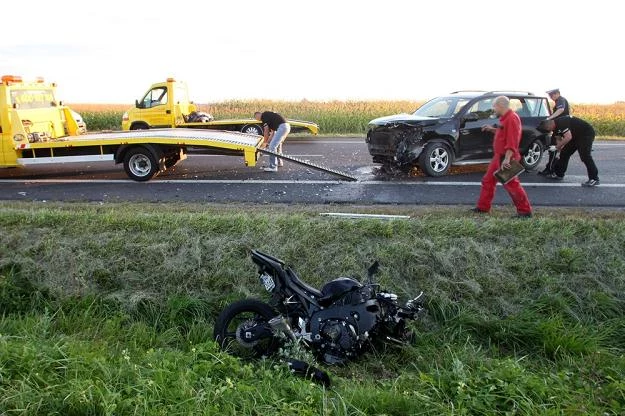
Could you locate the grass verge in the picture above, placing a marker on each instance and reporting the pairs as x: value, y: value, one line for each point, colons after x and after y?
x: 109, y: 309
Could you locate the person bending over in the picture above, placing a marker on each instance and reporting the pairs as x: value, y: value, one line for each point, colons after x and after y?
x: 576, y: 135
x: 275, y: 130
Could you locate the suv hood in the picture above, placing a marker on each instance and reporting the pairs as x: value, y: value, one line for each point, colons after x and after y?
x: 403, y: 119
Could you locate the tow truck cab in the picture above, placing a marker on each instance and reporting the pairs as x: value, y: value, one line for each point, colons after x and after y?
x: 166, y: 105
x: 30, y: 113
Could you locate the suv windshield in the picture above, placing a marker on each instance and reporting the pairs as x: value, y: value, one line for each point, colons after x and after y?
x: 441, y: 107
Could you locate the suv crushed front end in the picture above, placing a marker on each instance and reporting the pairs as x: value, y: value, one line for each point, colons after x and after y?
x: 397, y: 140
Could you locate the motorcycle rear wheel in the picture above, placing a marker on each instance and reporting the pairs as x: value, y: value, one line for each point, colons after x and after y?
x: 243, y: 314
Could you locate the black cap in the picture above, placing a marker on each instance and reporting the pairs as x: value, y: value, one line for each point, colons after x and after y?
x: 542, y: 127
x: 553, y: 91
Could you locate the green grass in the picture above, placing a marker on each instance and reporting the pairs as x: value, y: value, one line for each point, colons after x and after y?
x: 103, y: 120
x: 109, y: 310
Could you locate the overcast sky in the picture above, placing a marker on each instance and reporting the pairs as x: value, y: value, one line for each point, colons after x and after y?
x: 111, y: 51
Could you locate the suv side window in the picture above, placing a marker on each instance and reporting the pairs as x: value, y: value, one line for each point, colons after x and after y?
x: 529, y: 107
x: 154, y: 97
x: 538, y: 106
x: 460, y: 105
x: 482, y: 108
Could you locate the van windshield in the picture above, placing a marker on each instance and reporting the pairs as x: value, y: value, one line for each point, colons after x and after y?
x: 31, y: 98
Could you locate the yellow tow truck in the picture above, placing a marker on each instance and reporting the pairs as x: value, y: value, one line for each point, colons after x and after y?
x: 166, y: 104
x: 37, y: 129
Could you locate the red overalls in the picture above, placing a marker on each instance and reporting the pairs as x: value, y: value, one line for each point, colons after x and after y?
x: 507, y: 137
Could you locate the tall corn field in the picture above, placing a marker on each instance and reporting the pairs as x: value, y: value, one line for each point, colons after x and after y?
x: 338, y: 117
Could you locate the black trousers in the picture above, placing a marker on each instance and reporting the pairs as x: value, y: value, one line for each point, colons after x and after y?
x: 582, y: 145
x: 552, y: 155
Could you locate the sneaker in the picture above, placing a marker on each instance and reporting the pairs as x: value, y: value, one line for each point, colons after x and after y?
x: 476, y: 210
x: 545, y: 172
x: 555, y: 177
x: 523, y: 215
x: 271, y: 169
x: 590, y: 183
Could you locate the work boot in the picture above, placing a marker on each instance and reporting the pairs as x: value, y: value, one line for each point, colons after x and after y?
x: 590, y: 183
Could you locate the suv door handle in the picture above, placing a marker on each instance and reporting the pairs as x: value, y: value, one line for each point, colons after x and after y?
x: 168, y: 112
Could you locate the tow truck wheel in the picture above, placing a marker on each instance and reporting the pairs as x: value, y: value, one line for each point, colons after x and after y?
x: 252, y: 129
x: 139, y: 126
x: 140, y: 164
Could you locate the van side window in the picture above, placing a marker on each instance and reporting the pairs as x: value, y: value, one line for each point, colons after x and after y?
x: 154, y: 97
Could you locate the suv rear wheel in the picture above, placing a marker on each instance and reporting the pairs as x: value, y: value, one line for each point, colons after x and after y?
x: 533, y: 155
x: 435, y: 160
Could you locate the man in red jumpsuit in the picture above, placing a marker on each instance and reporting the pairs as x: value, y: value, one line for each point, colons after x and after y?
x: 506, y: 148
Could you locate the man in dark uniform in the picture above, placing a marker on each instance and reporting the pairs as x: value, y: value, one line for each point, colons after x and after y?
x: 561, y: 105
x: 576, y: 135
x: 275, y: 130
x: 560, y: 109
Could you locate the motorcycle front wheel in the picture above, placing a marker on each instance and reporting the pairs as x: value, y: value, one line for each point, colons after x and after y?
x: 240, y: 317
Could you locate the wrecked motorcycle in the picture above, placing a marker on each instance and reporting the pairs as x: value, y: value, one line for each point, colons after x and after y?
x: 337, y: 323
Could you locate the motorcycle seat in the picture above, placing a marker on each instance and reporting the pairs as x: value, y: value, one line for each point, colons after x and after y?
x: 303, y: 285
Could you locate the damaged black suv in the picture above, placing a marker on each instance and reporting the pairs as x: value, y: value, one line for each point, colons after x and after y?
x: 447, y: 131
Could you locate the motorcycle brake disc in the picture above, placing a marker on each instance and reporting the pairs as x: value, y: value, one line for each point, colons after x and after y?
x: 243, y: 326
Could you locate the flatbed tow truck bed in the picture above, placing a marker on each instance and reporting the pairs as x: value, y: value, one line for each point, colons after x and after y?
x: 167, y: 146
x: 62, y: 148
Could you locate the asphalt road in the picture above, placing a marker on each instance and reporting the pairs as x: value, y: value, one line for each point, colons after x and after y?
x: 226, y: 179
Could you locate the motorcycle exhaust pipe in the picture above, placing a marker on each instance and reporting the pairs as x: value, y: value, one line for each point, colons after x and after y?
x: 279, y: 325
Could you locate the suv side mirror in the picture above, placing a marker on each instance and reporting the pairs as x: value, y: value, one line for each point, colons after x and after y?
x: 471, y: 117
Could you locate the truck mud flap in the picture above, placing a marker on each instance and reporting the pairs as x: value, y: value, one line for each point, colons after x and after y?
x: 343, y: 175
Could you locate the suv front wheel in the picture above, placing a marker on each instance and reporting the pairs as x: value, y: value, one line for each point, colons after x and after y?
x: 435, y: 160
x: 533, y: 155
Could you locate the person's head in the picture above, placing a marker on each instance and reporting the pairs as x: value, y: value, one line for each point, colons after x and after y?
x: 547, y: 125
x: 501, y: 105
x: 257, y: 115
x: 554, y: 94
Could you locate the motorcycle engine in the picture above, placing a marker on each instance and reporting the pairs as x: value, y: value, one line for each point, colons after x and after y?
x: 338, y: 341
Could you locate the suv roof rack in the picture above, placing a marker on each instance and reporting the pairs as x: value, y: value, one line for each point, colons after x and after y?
x: 459, y: 91
x: 507, y: 91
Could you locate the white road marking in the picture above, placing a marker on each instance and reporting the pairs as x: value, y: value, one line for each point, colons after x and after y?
x: 356, y: 141
x: 192, y: 155
x: 294, y: 182
x: 595, y: 144
x: 599, y: 143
